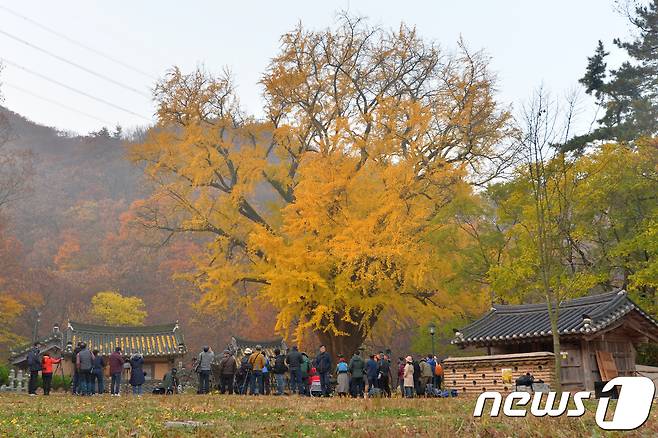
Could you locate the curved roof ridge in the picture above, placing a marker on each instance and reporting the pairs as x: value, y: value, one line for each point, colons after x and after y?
x: 613, y: 303
x: 255, y: 342
x: 84, y: 327
x: 574, y: 302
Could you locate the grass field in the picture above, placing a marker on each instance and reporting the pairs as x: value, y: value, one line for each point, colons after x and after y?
x: 217, y: 415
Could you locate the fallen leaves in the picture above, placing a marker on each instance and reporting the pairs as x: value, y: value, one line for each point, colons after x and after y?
x: 148, y: 416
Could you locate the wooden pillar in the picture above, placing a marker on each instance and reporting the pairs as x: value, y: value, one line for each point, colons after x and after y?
x: 588, y: 377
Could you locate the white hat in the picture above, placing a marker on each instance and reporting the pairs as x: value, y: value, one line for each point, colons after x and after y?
x: 248, y: 351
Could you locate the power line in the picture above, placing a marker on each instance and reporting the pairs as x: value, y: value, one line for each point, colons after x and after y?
x: 79, y: 44
x: 81, y: 67
x: 75, y: 90
x: 54, y: 102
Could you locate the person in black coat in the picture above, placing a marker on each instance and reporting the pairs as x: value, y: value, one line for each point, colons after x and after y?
x: 75, y: 385
x: 418, y: 388
x: 34, y: 365
x: 279, y: 369
x: 137, y: 378
x: 294, y: 361
x: 97, y: 382
x: 323, y: 367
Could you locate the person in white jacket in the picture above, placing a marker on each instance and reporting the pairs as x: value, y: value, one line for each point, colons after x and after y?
x: 409, y: 378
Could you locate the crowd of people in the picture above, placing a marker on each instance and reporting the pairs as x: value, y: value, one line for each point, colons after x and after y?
x: 88, y: 375
x: 255, y: 373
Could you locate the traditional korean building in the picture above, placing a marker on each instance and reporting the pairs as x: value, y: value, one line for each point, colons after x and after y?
x: 239, y: 345
x: 597, y: 333
x: 161, y: 345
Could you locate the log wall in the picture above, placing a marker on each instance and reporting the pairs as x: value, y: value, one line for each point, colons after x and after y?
x: 474, y: 375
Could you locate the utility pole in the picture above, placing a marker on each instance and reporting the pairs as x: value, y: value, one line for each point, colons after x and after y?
x: 35, y: 333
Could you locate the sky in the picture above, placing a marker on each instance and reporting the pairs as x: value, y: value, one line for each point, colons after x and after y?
x: 531, y: 43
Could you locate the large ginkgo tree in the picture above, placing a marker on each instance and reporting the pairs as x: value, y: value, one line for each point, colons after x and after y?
x: 328, y: 208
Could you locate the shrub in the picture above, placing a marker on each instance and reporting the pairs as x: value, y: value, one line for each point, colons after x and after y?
x: 4, y: 374
x: 60, y: 382
x: 647, y: 354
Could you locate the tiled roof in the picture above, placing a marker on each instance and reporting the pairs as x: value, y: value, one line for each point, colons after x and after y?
x: 244, y: 343
x: 156, y: 340
x: 238, y: 346
x: 52, y: 342
x: 580, y: 316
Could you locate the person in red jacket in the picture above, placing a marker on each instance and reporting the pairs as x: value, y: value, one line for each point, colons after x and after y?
x: 116, y: 368
x: 47, y: 372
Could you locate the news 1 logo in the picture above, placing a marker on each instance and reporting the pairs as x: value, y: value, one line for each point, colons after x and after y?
x: 632, y: 410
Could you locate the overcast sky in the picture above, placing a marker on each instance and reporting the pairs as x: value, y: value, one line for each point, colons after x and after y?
x: 530, y: 42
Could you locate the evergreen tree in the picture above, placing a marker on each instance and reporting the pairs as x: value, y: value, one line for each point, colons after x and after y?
x: 630, y: 96
x: 118, y: 132
x: 594, y: 79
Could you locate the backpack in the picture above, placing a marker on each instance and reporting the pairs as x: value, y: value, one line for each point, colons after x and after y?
x: 342, y: 367
x: 246, y: 364
x: 280, y: 364
x: 305, y: 367
x: 438, y: 369
x: 526, y: 380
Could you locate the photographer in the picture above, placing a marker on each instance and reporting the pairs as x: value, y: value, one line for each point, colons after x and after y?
x: 279, y: 369
x: 47, y: 372
x: 137, y: 378
x: 227, y: 369
x: 84, y: 363
x: 206, y: 358
x: 34, y: 365
x: 75, y: 385
x: 244, y: 373
x: 169, y: 384
x: 257, y: 362
x: 116, y: 369
x: 97, y: 382
x: 294, y: 362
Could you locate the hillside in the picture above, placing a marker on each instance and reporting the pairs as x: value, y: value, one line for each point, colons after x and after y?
x: 67, y: 239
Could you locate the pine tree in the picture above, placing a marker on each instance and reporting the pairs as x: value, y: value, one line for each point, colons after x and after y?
x: 630, y: 96
x: 594, y: 79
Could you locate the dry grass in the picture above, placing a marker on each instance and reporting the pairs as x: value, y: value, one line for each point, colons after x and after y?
x: 104, y: 416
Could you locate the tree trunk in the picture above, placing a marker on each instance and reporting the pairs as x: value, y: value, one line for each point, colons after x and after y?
x: 337, y: 345
x: 347, y: 344
x: 553, y: 314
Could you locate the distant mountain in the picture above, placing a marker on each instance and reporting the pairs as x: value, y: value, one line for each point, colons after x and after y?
x: 72, y: 239
x: 74, y: 243
x: 68, y: 169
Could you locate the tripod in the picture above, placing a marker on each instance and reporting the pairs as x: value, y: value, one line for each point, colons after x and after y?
x: 247, y: 381
x: 58, y: 368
